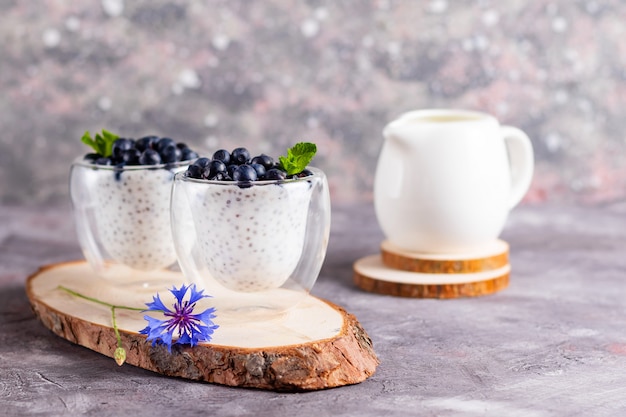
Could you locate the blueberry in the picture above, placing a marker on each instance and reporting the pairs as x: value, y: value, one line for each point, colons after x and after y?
x: 150, y: 157
x: 188, y: 154
x: 104, y: 161
x: 275, y: 174
x: 202, y: 162
x: 240, y: 156
x: 121, y: 145
x: 91, y: 157
x: 147, y: 142
x: 222, y: 155
x: 129, y: 157
x: 118, y: 170
x: 301, y: 174
x: 215, y: 167
x: 223, y: 176
x: 220, y: 176
x: 194, y: 171
x: 230, y: 169
x: 181, y: 145
x: 266, y: 161
x: 244, y: 173
x: 164, y: 143
x: 170, y: 154
x: 260, y: 170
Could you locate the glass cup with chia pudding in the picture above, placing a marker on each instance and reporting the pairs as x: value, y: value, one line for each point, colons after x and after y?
x: 122, y: 218
x: 255, y: 246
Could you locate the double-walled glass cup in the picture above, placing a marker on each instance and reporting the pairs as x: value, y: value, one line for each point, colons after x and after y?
x: 122, y: 217
x: 255, y: 247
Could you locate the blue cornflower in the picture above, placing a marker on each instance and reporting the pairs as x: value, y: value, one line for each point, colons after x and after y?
x: 188, y: 327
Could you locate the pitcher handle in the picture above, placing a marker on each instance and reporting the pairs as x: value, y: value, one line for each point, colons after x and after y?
x: 521, y: 161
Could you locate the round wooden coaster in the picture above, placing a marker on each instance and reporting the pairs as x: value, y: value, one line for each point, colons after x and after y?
x: 371, y: 274
x: 314, y: 345
x: 492, y: 257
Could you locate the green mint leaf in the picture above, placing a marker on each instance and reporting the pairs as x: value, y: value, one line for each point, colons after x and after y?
x: 108, y: 139
x: 298, y: 157
x: 286, y: 164
x: 108, y: 135
x: 102, y: 144
x: 87, y: 140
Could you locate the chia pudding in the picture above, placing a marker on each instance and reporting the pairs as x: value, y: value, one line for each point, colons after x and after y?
x: 251, y: 230
x: 251, y: 237
x: 127, y: 211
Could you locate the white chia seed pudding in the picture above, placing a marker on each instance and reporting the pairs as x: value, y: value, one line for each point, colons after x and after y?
x: 251, y: 238
x: 130, y: 208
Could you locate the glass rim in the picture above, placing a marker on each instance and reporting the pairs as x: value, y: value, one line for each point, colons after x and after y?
x: 316, y: 173
x: 82, y: 162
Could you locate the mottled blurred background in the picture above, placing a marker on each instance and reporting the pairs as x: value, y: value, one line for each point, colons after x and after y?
x: 265, y: 74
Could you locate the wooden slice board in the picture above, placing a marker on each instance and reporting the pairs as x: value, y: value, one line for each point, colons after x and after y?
x: 371, y: 274
x: 315, y: 345
x: 491, y: 257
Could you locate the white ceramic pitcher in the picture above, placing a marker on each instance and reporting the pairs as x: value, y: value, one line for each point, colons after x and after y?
x: 447, y: 179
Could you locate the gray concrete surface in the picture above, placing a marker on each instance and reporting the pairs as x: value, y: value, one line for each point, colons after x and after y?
x: 552, y: 344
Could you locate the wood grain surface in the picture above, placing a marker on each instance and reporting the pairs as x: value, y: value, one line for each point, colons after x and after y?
x: 346, y: 357
x: 371, y: 274
x: 493, y: 257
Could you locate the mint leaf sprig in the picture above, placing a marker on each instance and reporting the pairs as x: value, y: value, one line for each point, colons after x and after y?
x: 297, y: 158
x: 102, y: 144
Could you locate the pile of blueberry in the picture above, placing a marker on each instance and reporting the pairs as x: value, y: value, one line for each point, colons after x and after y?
x: 149, y: 150
x: 238, y: 166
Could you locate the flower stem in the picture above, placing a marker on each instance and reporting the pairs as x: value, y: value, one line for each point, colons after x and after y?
x: 117, y: 332
x: 120, y: 354
x: 95, y: 300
